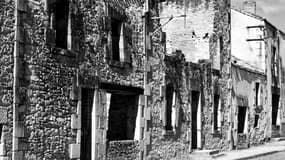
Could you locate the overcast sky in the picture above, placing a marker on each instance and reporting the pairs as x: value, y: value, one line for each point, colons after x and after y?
x: 272, y: 10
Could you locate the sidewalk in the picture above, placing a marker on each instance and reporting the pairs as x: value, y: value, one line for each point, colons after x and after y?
x: 253, y: 152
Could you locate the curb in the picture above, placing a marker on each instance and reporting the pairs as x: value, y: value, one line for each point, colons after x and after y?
x: 259, y: 155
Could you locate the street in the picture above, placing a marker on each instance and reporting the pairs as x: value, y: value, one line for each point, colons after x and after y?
x: 275, y: 156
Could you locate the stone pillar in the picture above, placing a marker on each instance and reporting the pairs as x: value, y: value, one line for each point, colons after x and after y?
x: 19, y: 107
x: 75, y: 150
x: 99, y: 125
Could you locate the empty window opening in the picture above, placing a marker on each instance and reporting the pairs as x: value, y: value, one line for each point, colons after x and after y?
x: 122, y: 117
x: 169, y: 103
x: 61, y: 24
x: 257, y: 103
x: 275, y: 103
x: 216, y: 111
x: 221, y: 44
x: 241, y: 118
x: 256, y: 118
x: 257, y: 94
x: 194, y: 109
x: 116, y: 33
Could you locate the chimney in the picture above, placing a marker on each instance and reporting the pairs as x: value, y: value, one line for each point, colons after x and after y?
x: 249, y: 6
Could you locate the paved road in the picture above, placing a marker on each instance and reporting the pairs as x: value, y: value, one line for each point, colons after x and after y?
x: 275, y: 156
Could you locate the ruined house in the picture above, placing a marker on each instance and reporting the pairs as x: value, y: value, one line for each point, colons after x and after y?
x: 72, y: 79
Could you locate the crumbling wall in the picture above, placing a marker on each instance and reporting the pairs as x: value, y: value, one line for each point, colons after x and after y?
x: 244, y: 94
x: 197, y: 77
x: 186, y: 33
x: 222, y: 79
x: 7, y: 35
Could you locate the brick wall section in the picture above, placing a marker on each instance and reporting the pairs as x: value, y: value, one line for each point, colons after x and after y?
x: 6, y: 65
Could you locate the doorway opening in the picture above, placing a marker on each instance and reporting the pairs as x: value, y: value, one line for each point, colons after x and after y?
x: 194, y: 108
x: 241, y: 119
x: 275, y: 104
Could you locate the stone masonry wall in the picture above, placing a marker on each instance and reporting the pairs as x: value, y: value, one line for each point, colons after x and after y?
x: 53, y: 73
x: 7, y: 35
x: 49, y: 74
x: 221, y: 29
x: 199, y: 78
x: 95, y: 60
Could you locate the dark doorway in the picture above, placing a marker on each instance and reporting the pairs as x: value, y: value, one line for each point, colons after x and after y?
x: 169, y: 99
x: 122, y: 117
x: 275, y: 103
x: 216, y: 107
x: 194, y: 107
x: 86, y: 123
x: 241, y: 118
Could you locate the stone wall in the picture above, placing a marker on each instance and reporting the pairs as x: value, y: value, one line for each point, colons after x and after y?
x: 244, y: 94
x: 186, y: 33
x: 7, y: 35
x: 198, y: 77
x: 50, y: 73
x: 123, y: 150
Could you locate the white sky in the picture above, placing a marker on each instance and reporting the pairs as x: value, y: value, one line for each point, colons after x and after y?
x: 272, y: 10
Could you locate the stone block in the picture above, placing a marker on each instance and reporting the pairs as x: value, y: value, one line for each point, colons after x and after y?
x: 142, y: 122
x: 74, y: 151
x: 3, y: 151
x: 22, y: 5
x: 75, y: 122
x: 3, y: 115
x: 20, y: 129
x: 74, y: 93
x: 147, y: 113
x: 162, y: 90
x: 4, y: 158
x: 147, y: 90
x: 18, y: 155
x: 147, y: 139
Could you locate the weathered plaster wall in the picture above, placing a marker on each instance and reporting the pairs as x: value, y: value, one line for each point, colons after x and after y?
x: 247, y: 53
x: 244, y: 94
x: 6, y: 66
x: 282, y: 75
x: 186, y: 33
x: 272, y: 81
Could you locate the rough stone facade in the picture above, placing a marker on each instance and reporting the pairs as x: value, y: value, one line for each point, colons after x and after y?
x: 6, y: 62
x: 79, y: 90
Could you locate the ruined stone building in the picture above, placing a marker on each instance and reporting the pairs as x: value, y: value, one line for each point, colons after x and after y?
x: 72, y: 79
